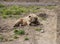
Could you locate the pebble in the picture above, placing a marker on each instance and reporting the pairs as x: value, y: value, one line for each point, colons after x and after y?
x: 42, y: 31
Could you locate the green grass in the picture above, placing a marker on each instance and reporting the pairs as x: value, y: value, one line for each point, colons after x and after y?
x: 38, y: 29
x: 19, y: 10
x: 26, y: 38
x: 10, y: 39
x: 1, y: 38
x: 1, y: 5
x: 4, y: 16
x: 50, y: 7
x: 16, y: 37
x: 13, y: 10
x: 19, y: 32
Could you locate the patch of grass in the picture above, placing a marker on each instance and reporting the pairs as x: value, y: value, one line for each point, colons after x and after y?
x: 15, y: 31
x: 16, y: 10
x: 15, y: 37
x: 34, y: 9
x: 11, y: 39
x: 19, y: 10
x: 50, y: 7
x: 38, y: 29
x: 1, y: 5
x: 19, y: 32
x: 26, y: 38
x: 4, y: 16
x: 1, y: 38
x: 13, y: 10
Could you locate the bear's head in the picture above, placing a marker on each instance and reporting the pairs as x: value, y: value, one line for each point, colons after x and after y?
x: 33, y: 20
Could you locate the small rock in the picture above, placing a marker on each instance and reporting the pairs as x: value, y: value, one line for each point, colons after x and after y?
x: 42, y: 31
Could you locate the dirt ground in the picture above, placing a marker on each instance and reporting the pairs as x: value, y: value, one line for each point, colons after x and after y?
x: 46, y: 36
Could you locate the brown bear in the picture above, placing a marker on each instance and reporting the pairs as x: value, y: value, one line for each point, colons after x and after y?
x: 31, y: 19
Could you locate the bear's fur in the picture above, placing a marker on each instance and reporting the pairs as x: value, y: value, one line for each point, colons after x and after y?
x: 34, y: 20
x: 31, y: 19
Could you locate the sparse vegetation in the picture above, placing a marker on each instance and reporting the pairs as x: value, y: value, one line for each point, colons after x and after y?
x: 13, y: 10
x: 11, y: 39
x: 38, y: 29
x: 15, y: 37
x: 4, y: 16
x: 50, y: 7
x: 1, y: 5
x: 1, y: 38
x: 19, y: 10
x: 26, y: 38
x: 19, y: 32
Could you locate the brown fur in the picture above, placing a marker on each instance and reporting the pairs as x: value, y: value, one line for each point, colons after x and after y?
x: 28, y: 20
x: 20, y: 22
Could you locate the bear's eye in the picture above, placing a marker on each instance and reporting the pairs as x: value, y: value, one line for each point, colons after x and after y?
x: 29, y: 16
